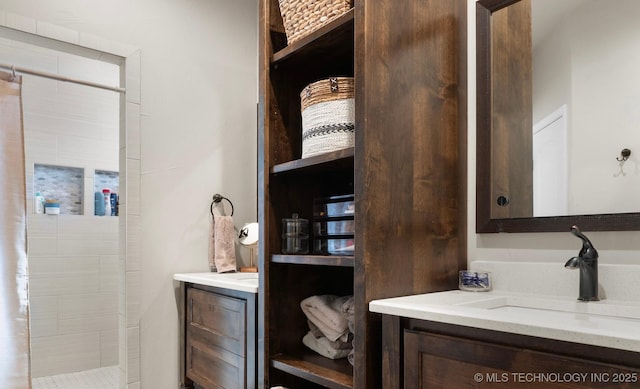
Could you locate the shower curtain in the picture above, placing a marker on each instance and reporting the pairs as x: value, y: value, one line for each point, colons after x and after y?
x: 14, y: 300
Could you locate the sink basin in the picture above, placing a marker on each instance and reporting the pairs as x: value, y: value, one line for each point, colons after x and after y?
x: 606, y: 323
x: 522, y: 304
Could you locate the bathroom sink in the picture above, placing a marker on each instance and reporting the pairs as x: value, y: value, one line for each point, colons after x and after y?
x: 606, y: 323
x: 560, y: 308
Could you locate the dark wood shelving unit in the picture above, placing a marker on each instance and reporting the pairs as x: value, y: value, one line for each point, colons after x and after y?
x: 407, y: 173
x: 290, y: 184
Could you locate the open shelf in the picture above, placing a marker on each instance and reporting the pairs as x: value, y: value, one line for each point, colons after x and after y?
x: 318, y: 260
x: 318, y: 43
x: 291, y: 184
x: 339, y: 158
x: 334, y: 374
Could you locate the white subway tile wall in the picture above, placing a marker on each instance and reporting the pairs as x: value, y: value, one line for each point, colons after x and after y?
x: 73, y: 259
x: 74, y: 289
x: 129, y: 124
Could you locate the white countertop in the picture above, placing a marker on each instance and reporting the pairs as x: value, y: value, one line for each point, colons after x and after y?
x: 541, y: 316
x: 244, y: 282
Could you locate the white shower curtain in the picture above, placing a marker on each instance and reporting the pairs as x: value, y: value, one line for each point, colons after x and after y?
x: 14, y: 299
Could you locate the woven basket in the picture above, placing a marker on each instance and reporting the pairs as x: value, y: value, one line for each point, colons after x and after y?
x: 327, y: 116
x: 302, y: 17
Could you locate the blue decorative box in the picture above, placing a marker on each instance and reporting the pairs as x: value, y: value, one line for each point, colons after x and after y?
x: 474, y: 281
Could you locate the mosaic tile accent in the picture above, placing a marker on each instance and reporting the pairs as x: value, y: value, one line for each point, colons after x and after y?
x: 106, y: 179
x: 64, y: 184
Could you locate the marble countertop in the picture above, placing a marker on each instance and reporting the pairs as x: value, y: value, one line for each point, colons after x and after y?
x: 244, y: 282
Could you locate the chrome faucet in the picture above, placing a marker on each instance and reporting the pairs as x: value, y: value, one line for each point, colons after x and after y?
x: 587, y: 262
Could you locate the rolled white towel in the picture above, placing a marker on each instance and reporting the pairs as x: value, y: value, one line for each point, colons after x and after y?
x: 326, y: 313
x: 323, y: 347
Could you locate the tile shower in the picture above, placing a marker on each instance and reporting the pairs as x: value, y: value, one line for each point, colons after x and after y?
x: 71, y: 148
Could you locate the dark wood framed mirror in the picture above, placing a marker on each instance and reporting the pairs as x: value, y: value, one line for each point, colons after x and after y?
x: 505, y: 127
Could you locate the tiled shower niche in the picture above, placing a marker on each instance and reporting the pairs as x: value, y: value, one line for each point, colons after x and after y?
x: 63, y: 184
x: 106, y: 179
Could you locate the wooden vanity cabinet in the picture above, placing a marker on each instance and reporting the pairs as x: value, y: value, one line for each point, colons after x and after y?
x: 422, y: 354
x: 220, y: 338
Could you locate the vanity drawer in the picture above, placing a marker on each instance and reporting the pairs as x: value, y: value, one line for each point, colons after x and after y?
x: 216, y: 320
x: 440, y: 361
x: 213, y: 368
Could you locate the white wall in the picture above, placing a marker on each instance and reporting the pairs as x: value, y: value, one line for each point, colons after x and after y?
x: 73, y: 259
x: 198, y: 107
x: 614, y: 247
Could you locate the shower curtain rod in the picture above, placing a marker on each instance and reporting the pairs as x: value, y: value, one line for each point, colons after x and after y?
x: 15, y: 69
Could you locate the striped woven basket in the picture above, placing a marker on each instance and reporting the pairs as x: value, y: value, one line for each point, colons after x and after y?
x: 327, y: 116
x: 302, y: 17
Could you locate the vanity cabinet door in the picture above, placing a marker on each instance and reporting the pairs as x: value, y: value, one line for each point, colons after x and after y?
x: 216, y: 340
x: 439, y: 361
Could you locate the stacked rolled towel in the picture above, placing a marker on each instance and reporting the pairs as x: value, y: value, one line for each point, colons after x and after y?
x: 323, y: 346
x: 347, y: 312
x: 329, y: 332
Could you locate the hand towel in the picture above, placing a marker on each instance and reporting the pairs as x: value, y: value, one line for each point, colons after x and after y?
x: 326, y: 313
x: 224, y: 252
x: 212, y: 245
x: 322, y: 347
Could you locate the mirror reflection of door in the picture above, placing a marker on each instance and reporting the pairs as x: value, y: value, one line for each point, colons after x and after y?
x: 550, y: 154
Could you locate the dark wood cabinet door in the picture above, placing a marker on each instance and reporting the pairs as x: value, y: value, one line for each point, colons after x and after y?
x: 439, y: 361
x: 216, y: 340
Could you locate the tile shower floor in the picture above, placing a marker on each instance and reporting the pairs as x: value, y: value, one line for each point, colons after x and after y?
x: 102, y: 378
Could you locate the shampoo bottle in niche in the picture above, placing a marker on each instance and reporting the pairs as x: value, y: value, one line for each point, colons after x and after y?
x: 107, y: 201
x: 114, y: 204
x: 38, y: 203
x: 98, y: 203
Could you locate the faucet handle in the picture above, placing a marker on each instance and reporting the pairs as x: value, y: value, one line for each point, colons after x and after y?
x: 587, y: 251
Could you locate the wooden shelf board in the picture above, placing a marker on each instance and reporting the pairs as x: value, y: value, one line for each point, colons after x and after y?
x: 341, y: 25
x: 334, y: 374
x: 319, y: 260
x: 339, y: 156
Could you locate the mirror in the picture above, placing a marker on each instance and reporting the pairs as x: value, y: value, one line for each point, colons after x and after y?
x: 557, y: 127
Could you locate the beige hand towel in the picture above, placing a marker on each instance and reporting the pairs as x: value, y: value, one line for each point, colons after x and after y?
x: 212, y: 245
x: 222, y: 245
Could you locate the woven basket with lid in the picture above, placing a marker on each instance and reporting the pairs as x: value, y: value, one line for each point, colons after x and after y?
x: 328, y: 118
x: 302, y: 17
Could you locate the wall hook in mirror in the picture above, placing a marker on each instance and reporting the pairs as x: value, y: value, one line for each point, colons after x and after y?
x: 625, y: 153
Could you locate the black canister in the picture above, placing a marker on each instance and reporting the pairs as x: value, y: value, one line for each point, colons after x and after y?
x: 295, y: 235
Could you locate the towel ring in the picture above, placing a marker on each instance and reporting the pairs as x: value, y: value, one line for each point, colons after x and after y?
x: 217, y: 198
